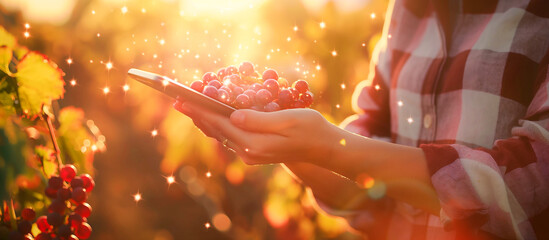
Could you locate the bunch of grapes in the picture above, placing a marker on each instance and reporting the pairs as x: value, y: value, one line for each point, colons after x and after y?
x: 243, y: 88
x: 68, y: 212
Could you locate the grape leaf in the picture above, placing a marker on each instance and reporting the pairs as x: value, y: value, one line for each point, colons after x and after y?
x: 5, y: 58
x: 46, y: 156
x: 6, y: 39
x: 72, y: 136
x: 40, y: 81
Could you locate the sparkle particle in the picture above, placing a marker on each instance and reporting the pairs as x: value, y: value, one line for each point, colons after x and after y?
x: 137, y: 197
x: 170, y: 180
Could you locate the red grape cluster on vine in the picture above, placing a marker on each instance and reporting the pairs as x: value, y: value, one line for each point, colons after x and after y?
x: 243, y: 88
x: 68, y: 212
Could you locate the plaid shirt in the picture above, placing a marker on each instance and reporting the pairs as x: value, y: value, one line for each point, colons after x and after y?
x: 466, y: 81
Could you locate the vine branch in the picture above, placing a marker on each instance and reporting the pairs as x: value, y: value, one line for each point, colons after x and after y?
x: 51, y: 131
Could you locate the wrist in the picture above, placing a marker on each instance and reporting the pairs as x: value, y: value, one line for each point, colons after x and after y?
x: 331, y: 146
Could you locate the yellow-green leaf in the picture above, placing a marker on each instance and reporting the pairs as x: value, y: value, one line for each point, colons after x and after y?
x: 6, y: 39
x: 5, y: 58
x: 40, y: 81
x: 6, y: 101
x: 72, y: 136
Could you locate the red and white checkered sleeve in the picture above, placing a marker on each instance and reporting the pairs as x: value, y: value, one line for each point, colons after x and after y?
x: 503, y: 190
x: 371, y: 97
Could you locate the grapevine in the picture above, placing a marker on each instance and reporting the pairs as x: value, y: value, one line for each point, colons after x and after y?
x: 46, y: 173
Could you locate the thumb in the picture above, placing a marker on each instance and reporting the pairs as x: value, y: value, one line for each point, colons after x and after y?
x: 266, y: 122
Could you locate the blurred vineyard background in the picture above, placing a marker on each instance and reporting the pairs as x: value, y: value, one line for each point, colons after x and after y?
x: 327, y: 43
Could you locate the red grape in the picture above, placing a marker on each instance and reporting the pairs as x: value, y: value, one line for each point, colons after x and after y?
x: 215, y: 83
x: 64, y: 231
x: 243, y: 101
x: 251, y: 94
x: 246, y: 68
x: 77, y: 182
x: 209, y: 76
x: 55, y: 182
x: 299, y: 104
x: 283, y: 83
x: 42, y: 223
x: 57, y: 206
x: 301, y: 86
x: 72, y: 237
x: 227, y: 89
x: 295, y: 93
x: 24, y: 227
x: 263, y: 97
x: 68, y: 172
x: 197, y: 85
x: 224, y: 96
x: 51, y: 192
x: 210, y: 91
x: 221, y: 73
x: 89, y: 183
x: 235, y: 78
x: 64, y: 194
x: 271, y: 107
x: 307, y: 98
x: 256, y: 87
x: 83, y: 231
x: 83, y: 210
x: 230, y: 70
x: 75, y: 219
x: 79, y: 195
x: 237, y: 91
x: 270, y: 74
x: 43, y: 236
x: 285, y: 98
x: 272, y: 86
x: 55, y: 219
x: 28, y: 214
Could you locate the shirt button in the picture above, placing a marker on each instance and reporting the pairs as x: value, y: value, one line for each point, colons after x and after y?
x: 427, y: 120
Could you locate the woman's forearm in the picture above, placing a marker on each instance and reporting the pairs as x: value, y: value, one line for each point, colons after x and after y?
x: 331, y: 189
x: 402, y: 169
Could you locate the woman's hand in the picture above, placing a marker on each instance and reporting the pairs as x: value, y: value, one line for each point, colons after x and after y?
x: 275, y: 137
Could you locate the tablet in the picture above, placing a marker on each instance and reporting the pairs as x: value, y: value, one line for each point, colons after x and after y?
x: 178, y: 90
